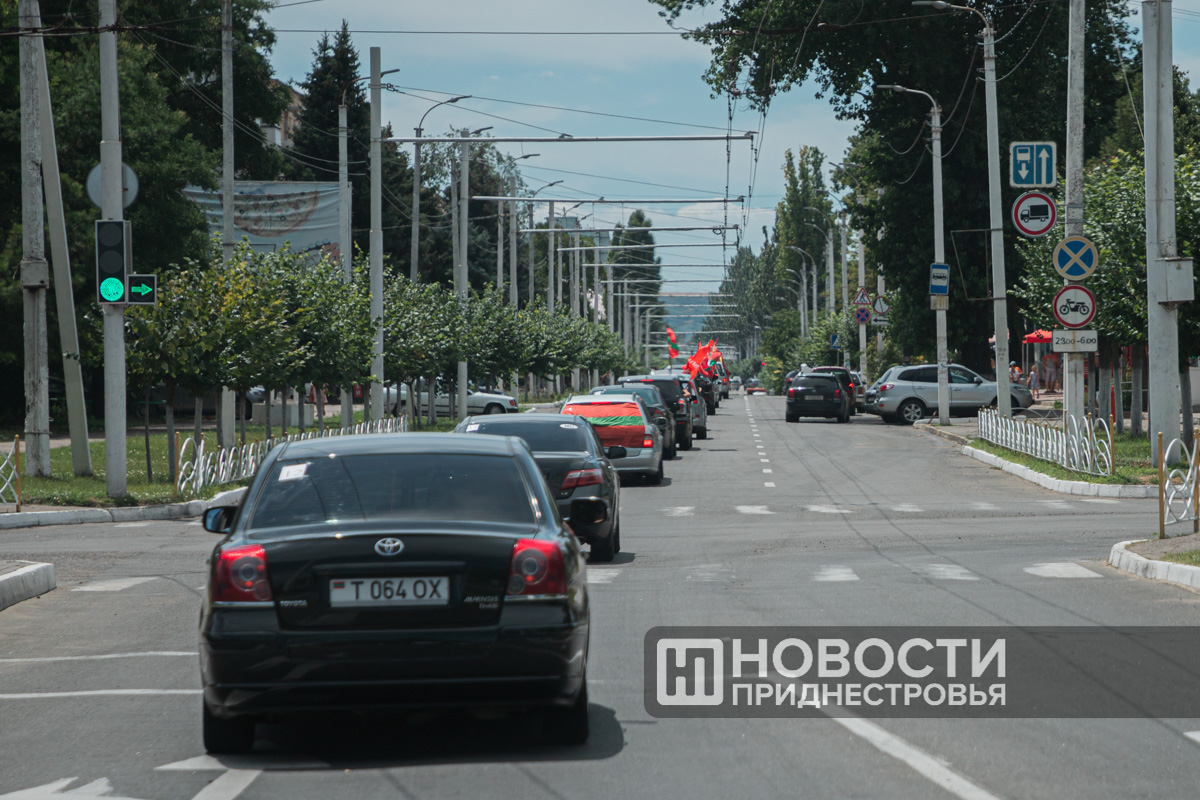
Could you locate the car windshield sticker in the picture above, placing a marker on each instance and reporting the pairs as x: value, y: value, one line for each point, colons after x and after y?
x: 293, y: 472
x: 571, y: 426
x: 474, y: 426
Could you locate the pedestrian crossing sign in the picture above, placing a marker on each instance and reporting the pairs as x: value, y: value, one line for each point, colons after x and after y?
x: 862, y: 298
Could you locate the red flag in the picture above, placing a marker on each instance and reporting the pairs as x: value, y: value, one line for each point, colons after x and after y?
x: 672, y: 352
x: 671, y: 336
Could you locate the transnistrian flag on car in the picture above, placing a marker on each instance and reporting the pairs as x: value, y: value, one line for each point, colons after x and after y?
x: 615, y: 422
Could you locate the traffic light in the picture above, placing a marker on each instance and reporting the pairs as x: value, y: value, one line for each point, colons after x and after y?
x: 113, y: 262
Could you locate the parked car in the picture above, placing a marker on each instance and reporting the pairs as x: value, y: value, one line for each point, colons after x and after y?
x: 624, y: 421
x: 478, y: 402
x: 870, y: 401
x: 735, y: 382
x: 574, y: 463
x: 860, y: 391
x: 848, y: 384
x: 660, y: 414
x: 817, y: 395
x: 379, y: 573
x: 910, y: 393
x: 671, y: 388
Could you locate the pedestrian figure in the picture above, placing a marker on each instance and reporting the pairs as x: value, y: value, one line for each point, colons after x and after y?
x: 1033, y: 381
x: 1014, y: 372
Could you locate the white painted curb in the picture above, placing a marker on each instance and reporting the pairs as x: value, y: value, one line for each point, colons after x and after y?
x: 80, y: 516
x: 1128, y: 561
x: 1058, y: 484
x: 29, y: 581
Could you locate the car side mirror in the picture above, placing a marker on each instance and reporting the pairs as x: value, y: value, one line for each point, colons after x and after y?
x: 978, y: 380
x: 217, y: 520
x: 616, y: 451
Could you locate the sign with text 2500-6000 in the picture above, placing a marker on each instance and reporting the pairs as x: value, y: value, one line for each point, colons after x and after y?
x: 1074, y: 306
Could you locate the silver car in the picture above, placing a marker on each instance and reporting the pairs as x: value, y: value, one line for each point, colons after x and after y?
x: 907, y: 394
x: 640, y: 437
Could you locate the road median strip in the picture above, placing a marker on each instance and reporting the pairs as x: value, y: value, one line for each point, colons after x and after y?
x: 1123, y: 558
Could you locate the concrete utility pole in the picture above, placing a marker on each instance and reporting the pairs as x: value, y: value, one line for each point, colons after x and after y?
x: 831, y: 298
x: 226, y: 404
x: 345, y: 242
x: 939, y: 257
x: 513, y: 212
x: 500, y: 247
x: 1074, y: 401
x: 110, y: 209
x: 845, y: 281
x: 996, y: 215
x: 862, y: 281
x: 35, y: 271
x: 462, y: 273
x: 64, y: 299
x: 1169, y: 278
x: 376, y: 236
x: 550, y: 258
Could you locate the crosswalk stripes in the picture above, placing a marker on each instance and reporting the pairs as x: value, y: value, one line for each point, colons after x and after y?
x: 945, y: 572
x: 1061, y: 569
x: 112, y: 585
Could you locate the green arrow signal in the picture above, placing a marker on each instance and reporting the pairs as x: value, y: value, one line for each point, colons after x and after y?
x: 141, y: 289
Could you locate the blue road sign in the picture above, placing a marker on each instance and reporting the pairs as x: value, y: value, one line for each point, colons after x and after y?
x: 1075, y: 258
x: 833, y: 342
x: 939, y: 279
x: 1033, y: 165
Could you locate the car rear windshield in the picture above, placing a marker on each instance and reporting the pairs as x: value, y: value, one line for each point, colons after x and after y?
x: 605, y: 413
x: 668, y: 387
x: 543, y: 436
x: 649, y: 394
x: 433, y: 487
x: 816, y: 382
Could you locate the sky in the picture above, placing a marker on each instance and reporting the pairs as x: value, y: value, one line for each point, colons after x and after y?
x: 534, y: 66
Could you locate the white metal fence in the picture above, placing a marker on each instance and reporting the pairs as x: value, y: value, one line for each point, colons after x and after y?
x: 10, y: 475
x: 1080, y: 446
x: 1179, y: 486
x: 199, y: 467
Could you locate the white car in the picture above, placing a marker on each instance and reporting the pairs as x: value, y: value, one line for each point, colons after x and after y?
x: 477, y: 402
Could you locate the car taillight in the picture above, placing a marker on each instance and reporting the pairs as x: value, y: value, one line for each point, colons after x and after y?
x: 791, y: 392
x: 837, y: 393
x: 240, y: 575
x: 648, y: 441
x: 582, y: 477
x: 885, y: 387
x: 537, y: 569
x: 513, y: 402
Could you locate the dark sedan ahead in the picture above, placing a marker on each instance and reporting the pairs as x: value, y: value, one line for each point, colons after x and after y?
x: 385, y: 572
x: 575, y: 464
x: 817, y: 395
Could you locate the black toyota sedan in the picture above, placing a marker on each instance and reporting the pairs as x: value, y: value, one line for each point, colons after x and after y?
x: 575, y: 464
x: 389, y: 572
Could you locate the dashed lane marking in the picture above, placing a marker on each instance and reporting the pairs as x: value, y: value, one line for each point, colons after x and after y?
x: 769, y: 485
x: 131, y: 525
x: 765, y: 460
x: 1061, y: 569
x: 101, y: 656
x: 829, y: 510
x: 907, y: 508
x: 1194, y: 736
x: 598, y: 576
x: 767, y: 470
x: 753, y: 510
x: 113, y: 585
x: 1102, y: 500
x: 946, y: 572
x: 680, y: 511
x: 985, y: 507
x: 835, y: 574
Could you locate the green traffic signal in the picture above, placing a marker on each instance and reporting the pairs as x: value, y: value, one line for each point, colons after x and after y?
x: 112, y: 290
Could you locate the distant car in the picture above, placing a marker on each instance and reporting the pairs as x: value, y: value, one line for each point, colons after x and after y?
x: 378, y: 573
x: 575, y: 464
x: 722, y: 379
x: 671, y: 388
x: 662, y: 416
x: 908, y: 394
x: 817, y: 395
x: 735, y: 382
x: 622, y: 420
x: 478, y: 402
x: 860, y: 391
x: 754, y: 387
x: 698, y: 406
x: 848, y: 383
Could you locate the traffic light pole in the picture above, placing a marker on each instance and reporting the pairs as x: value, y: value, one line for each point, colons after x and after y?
x: 111, y: 208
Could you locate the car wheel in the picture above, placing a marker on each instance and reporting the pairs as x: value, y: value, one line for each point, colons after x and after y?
x: 888, y: 418
x: 603, y: 549
x: 910, y: 411
x: 655, y: 478
x: 791, y: 418
x: 227, y: 736
x: 494, y: 408
x: 568, y: 725
x: 671, y: 452
x: 702, y: 433
x: 616, y: 534
x: 686, y: 444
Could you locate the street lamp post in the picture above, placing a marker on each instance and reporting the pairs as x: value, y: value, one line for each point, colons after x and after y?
x: 999, y: 292
x: 939, y: 249
x: 416, y: 201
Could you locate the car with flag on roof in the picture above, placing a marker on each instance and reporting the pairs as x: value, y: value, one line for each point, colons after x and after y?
x: 623, y: 421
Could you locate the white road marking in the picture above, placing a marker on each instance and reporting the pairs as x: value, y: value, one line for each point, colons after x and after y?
x: 834, y: 574
x: 113, y: 585
x: 680, y: 511
x: 598, y: 576
x: 193, y: 523
x: 260, y: 761
x: 907, y: 508
x: 1061, y: 569
x: 1102, y: 500
x: 97, y: 788
x: 95, y: 693
x: 1194, y: 736
x: 229, y: 785
x: 131, y: 525
x: 829, y: 510
x: 769, y: 485
x: 759, y: 446
x: 928, y: 766
x: 985, y: 507
x: 767, y: 470
x: 946, y: 572
x: 101, y: 656
x: 765, y: 460
x: 753, y: 510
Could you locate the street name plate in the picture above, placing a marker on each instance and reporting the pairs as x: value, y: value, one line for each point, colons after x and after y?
x: 1075, y: 341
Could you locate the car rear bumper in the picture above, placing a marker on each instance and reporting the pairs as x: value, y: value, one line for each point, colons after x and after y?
x: 646, y: 460
x: 288, y: 672
x: 815, y: 408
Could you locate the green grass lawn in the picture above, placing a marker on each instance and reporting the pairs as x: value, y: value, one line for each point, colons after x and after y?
x: 63, y: 488
x: 1189, y: 557
x: 1131, y: 462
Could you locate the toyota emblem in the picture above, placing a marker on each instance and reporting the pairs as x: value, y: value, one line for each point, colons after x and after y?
x: 389, y: 546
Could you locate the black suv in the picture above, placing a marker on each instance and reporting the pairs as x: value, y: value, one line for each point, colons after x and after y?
x: 672, y: 392
x: 818, y: 395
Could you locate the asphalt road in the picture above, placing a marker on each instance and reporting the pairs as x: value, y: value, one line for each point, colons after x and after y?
x: 764, y: 523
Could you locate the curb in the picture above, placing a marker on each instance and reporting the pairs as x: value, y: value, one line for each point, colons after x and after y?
x: 1080, y: 488
x: 31, y: 580
x: 1127, y: 561
x: 80, y: 516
